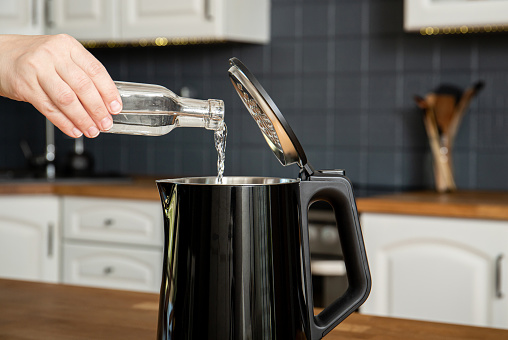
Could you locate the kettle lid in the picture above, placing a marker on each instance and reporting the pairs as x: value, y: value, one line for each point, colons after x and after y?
x: 274, y: 127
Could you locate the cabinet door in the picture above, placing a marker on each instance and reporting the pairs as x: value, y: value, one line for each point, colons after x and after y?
x: 21, y: 17
x: 167, y: 18
x: 83, y: 19
x: 437, y: 269
x: 113, y: 267
x: 121, y: 221
x: 29, y: 238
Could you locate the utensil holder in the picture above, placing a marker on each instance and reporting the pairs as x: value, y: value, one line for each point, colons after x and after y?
x: 443, y: 112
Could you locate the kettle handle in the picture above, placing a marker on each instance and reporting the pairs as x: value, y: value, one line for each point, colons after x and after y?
x: 338, y: 192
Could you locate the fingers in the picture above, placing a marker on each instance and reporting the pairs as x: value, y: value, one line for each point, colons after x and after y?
x: 65, y: 101
x: 99, y: 76
x: 93, y: 87
x: 45, y: 105
x: 88, y: 96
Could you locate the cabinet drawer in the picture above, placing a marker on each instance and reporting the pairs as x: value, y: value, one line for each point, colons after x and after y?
x: 112, y: 267
x: 113, y: 220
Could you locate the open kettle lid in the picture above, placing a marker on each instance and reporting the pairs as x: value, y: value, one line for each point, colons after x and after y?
x: 274, y: 127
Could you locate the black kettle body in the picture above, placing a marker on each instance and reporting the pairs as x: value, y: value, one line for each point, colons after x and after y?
x: 237, y: 261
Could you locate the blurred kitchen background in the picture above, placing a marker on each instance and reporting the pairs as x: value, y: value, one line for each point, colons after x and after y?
x: 342, y: 72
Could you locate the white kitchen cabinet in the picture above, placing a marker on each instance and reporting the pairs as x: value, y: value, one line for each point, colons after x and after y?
x: 29, y: 238
x: 124, y: 221
x: 21, y: 16
x: 146, y: 20
x: 112, y: 243
x: 438, y: 269
x: 83, y: 19
x: 170, y: 18
x: 112, y: 267
x: 237, y: 20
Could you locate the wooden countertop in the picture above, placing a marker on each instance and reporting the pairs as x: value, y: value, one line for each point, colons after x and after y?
x: 31, y: 310
x: 464, y: 204
x: 138, y: 188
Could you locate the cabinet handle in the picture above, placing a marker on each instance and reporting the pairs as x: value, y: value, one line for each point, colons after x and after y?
x: 34, y: 12
x: 208, y: 10
x: 109, y: 222
x: 108, y: 270
x: 49, y: 14
x: 499, y: 292
x: 51, y: 232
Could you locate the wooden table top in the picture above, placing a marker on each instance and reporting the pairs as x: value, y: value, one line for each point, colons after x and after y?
x: 31, y: 310
x: 462, y: 204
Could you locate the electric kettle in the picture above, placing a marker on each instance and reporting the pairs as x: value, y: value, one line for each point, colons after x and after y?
x: 236, y: 253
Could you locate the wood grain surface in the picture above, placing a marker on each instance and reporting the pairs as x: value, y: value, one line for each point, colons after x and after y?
x: 139, y: 188
x: 31, y: 310
x: 463, y: 204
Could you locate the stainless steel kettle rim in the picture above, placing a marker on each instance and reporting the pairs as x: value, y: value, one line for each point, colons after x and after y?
x: 230, y: 180
x: 278, y: 134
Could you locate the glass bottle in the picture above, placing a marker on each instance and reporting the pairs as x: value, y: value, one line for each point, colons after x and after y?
x: 154, y: 110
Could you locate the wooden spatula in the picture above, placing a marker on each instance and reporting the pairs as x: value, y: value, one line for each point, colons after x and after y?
x: 443, y: 112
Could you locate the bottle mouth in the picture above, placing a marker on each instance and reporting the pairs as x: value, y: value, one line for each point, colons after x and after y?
x: 215, y: 120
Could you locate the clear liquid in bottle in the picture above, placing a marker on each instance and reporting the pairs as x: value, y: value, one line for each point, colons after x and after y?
x: 153, y: 110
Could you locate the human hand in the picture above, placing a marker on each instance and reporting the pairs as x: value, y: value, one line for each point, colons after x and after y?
x: 61, y: 79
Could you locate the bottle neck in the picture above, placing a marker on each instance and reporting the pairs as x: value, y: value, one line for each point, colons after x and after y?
x: 208, y: 114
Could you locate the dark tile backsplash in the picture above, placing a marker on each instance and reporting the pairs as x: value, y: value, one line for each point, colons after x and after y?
x: 342, y: 72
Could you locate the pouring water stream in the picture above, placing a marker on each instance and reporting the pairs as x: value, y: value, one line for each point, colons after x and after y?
x: 220, y: 145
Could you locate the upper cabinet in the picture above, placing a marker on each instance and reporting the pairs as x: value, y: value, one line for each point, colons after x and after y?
x: 445, y: 16
x: 169, y: 18
x: 83, y: 19
x: 131, y: 21
x: 21, y: 16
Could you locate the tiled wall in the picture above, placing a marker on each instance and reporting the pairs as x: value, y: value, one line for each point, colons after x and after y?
x: 342, y: 72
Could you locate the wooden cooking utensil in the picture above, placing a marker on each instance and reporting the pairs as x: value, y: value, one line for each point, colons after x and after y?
x: 443, y: 112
